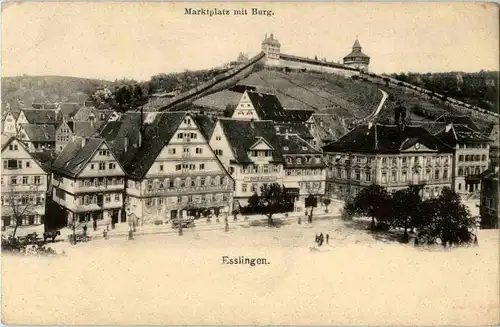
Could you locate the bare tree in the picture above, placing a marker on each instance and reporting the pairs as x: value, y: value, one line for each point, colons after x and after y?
x: 20, y: 204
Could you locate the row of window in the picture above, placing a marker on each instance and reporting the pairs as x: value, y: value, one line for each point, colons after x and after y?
x: 151, y: 202
x: 366, y: 176
x: 244, y: 112
x: 93, y: 199
x: 472, y: 157
x: 24, y: 180
x: 303, y: 172
x: 392, y: 160
x: 101, y: 181
x: 260, y: 169
x: 23, y: 200
x: 103, y: 165
x: 181, y: 136
x: 25, y: 220
x: 62, y: 138
x: 178, y: 182
x: 473, y: 146
x: 471, y: 170
x: 15, y: 164
x: 13, y: 147
x: 261, y: 153
x: 303, y: 160
x: 310, y: 186
x: 186, y: 167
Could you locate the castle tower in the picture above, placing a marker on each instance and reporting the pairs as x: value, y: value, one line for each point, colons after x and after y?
x: 271, y: 47
x: 357, y: 59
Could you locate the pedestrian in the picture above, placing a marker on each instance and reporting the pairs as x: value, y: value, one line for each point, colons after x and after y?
x: 95, y: 225
x: 316, y: 240
x: 105, y: 234
x: 321, y: 239
x: 327, y: 238
x: 85, y: 230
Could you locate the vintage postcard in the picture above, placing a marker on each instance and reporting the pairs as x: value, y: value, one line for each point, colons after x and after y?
x: 239, y: 163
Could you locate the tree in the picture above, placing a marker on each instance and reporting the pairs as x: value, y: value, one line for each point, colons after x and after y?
x: 373, y: 201
x: 311, y: 202
x: 253, y: 202
x: 20, y: 205
x: 326, y: 202
x: 272, y: 200
x: 405, y: 206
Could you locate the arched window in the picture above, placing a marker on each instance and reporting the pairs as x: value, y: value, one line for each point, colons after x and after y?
x: 461, y: 157
x: 460, y: 171
x: 478, y: 171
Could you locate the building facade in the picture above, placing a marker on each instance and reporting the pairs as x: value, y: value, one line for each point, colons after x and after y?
x: 171, y: 170
x: 88, y: 182
x: 9, y: 124
x: 251, y: 153
x: 471, y: 156
x: 390, y: 156
x: 304, y: 172
x: 24, y: 185
x: 69, y: 129
x: 489, y: 206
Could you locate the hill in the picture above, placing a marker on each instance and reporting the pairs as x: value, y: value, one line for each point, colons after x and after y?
x: 478, y: 89
x: 325, y: 93
x: 350, y: 98
x: 29, y: 89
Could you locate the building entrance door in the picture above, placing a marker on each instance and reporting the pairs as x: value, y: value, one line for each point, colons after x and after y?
x: 173, y: 214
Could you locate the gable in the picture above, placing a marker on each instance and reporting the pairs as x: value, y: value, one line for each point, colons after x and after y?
x: 17, y: 150
x: 102, y: 155
x: 245, y: 108
x: 261, y: 144
x: 219, y: 141
x: 418, y: 147
x: 172, y: 154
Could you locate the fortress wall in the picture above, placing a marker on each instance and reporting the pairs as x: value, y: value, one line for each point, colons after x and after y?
x: 325, y: 69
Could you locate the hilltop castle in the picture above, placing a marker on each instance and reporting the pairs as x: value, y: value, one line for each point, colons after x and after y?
x: 354, y: 62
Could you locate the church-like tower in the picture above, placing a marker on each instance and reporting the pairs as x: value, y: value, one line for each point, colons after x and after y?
x: 271, y: 47
x: 356, y: 58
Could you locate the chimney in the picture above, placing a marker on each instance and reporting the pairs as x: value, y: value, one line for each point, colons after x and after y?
x: 251, y: 123
x: 370, y: 124
x: 286, y: 135
x: 448, y: 128
x: 84, y: 141
x: 376, y: 138
x: 125, y: 144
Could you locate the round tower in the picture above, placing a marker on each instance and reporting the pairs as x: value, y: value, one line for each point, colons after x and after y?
x: 357, y: 59
x: 271, y: 47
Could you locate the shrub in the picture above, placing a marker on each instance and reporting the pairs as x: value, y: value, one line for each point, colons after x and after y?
x: 158, y: 222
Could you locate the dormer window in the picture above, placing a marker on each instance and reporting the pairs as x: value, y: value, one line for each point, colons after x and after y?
x: 285, y: 148
x: 304, y: 148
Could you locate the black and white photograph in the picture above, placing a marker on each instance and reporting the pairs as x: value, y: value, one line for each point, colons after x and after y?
x: 250, y: 163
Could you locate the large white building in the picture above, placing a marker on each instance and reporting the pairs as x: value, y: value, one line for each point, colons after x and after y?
x: 171, y: 171
x: 24, y: 185
x: 388, y: 155
x: 88, y: 182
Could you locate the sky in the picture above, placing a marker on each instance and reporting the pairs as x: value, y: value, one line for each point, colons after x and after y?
x: 137, y: 40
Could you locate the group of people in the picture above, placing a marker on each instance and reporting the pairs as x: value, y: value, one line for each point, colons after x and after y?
x: 320, y: 239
